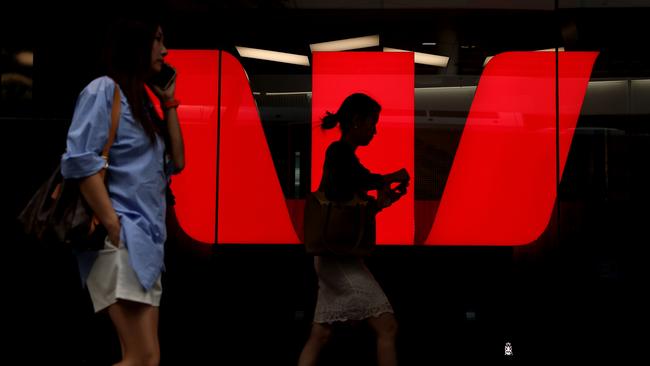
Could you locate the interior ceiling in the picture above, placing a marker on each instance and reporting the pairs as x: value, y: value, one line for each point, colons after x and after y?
x: 467, y: 33
x: 468, y: 36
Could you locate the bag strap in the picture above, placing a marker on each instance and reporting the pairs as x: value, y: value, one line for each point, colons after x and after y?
x: 115, y: 121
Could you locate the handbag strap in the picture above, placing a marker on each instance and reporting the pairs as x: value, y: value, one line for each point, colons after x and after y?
x: 115, y: 121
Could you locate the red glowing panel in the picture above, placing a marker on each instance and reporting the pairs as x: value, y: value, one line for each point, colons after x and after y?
x: 194, y: 188
x: 252, y: 208
x: 388, y: 78
x: 502, y: 185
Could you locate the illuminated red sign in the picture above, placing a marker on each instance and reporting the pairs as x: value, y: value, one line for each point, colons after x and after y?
x: 502, y: 186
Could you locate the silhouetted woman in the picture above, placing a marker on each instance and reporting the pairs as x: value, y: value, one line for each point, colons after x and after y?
x: 347, y: 291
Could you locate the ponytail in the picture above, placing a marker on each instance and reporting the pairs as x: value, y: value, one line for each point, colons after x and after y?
x: 329, y: 121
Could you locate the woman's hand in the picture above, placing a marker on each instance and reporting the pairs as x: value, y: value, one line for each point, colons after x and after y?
x: 114, y: 231
x: 384, y: 198
x: 388, y: 195
x: 164, y: 95
x: 401, y: 176
x: 400, y: 189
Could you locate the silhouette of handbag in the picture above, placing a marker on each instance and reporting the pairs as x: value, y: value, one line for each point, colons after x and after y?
x: 339, y: 228
x: 58, y: 212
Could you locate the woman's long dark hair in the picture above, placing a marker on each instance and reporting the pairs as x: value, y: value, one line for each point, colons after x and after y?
x: 355, y: 105
x: 129, y: 63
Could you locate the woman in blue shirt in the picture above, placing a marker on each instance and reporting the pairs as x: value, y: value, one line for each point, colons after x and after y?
x: 125, y: 277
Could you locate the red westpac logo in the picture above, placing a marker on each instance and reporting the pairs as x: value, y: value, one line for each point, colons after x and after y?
x: 502, y: 186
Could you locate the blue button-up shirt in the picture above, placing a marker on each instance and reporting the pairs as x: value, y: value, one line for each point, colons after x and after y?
x: 136, y: 176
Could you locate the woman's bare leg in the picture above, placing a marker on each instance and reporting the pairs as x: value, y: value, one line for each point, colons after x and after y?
x: 137, y: 328
x: 385, y: 327
x: 319, y: 336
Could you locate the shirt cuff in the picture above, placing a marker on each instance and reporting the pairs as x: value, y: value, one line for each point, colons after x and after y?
x: 81, y: 165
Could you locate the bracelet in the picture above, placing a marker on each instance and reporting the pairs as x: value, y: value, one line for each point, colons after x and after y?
x: 171, y: 103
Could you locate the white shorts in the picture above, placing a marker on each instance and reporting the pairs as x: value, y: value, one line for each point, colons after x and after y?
x: 112, y: 277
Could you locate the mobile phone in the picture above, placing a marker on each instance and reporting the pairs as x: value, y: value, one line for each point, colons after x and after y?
x: 165, y: 77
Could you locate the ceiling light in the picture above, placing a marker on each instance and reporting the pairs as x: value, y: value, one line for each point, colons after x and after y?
x: 287, y: 58
x: 25, y: 58
x: 561, y: 49
x: 346, y: 44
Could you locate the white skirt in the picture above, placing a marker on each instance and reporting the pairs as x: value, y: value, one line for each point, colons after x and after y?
x: 112, y: 277
x: 347, y: 291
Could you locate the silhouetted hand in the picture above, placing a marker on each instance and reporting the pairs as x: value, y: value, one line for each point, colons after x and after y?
x: 389, y: 195
x: 384, y: 198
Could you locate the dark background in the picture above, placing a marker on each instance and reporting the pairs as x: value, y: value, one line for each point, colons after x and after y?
x: 573, y: 295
